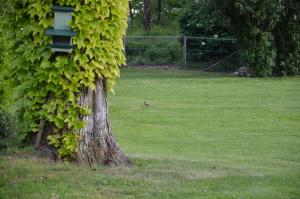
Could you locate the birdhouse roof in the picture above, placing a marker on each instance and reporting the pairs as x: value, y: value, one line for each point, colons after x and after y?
x: 62, y: 9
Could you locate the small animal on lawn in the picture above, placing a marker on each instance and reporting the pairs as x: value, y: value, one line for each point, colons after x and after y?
x: 146, y: 103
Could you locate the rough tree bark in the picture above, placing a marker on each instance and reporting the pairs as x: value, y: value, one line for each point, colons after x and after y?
x: 97, y: 145
x: 147, y: 15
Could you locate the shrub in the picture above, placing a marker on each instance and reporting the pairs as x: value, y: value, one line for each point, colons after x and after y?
x: 267, y: 32
x: 152, y: 50
x: 8, y: 129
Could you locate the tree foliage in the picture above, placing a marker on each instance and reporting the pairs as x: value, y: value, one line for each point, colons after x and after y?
x: 40, y: 86
x: 256, y: 24
x: 162, y: 11
x: 267, y: 31
x: 199, y: 20
x: 287, y: 39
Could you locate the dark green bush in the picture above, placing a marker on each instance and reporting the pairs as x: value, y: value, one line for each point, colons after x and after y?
x: 259, y: 55
x: 268, y: 32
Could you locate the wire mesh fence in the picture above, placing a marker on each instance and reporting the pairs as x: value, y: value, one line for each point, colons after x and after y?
x: 181, y: 51
x: 153, y: 50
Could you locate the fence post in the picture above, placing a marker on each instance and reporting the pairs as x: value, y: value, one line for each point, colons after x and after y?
x: 184, y: 52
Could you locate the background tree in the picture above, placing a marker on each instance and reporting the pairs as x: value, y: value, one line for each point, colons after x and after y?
x: 267, y: 31
x: 253, y: 22
x: 68, y: 92
x: 147, y: 19
x: 200, y: 20
x: 162, y: 13
x: 287, y: 39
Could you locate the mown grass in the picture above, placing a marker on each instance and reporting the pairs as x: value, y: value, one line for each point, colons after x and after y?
x: 204, y: 135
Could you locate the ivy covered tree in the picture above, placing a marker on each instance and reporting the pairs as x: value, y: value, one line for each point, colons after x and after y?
x: 63, y: 97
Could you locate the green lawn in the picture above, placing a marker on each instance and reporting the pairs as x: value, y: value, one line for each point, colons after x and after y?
x: 205, y: 135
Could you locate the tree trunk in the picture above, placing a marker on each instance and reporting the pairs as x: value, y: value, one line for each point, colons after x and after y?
x: 39, y: 135
x: 159, y: 11
x: 97, y: 145
x: 130, y: 12
x: 147, y: 15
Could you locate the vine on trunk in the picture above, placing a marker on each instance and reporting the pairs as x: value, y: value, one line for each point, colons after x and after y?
x: 42, y: 86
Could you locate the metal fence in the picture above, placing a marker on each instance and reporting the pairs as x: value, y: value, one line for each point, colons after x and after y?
x: 181, y: 51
